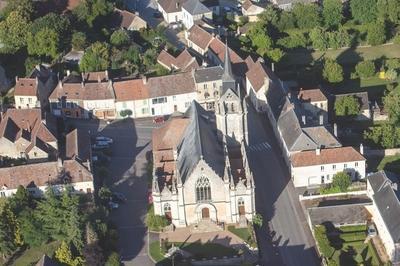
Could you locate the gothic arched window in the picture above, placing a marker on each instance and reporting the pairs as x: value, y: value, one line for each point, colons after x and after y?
x: 203, y: 189
x: 240, y: 202
x: 167, y: 207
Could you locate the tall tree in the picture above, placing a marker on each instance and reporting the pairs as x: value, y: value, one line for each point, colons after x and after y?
x: 259, y: 38
x: 319, y: 39
x: 389, y: 9
x: 92, y: 251
x: 13, y: 32
x: 347, y: 106
x: 363, y: 11
x: 96, y: 58
x: 332, y: 12
x: 45, y: 42
x: 332, y: 72
x: 92, y: 11
x: 376, y: 33
x: 392, y: 106
x: 307, y: 15
x: 342, y: 181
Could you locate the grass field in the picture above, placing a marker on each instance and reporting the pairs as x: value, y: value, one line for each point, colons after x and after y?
x: 344, y: 56
x: 155, y: 251
x: 390, y: 163
x: 32, y: 256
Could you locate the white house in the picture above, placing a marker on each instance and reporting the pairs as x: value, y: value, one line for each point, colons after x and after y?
x: 317, y: 167
x: 252, y: 10
x: 383, y: 189
x: 171, y: 10
x: 37, y: 177
x: 198, y: 39
x: 194, y: 10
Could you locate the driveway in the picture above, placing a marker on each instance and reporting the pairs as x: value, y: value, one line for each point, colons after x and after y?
x: 285, y: 238
x: 128, y: 175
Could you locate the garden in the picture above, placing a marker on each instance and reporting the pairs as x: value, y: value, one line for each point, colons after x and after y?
x: 345, y: 245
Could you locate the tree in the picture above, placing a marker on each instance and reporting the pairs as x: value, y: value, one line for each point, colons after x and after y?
x: 96, y: 58
x: 63, y: 254
x: 104, y: 194
x: 119, y: 38
x: 275, y: 54
x: 294, y: 40
x: 113, y: 260
x: 44, y: 43
x: 363, y: 11
x: 92, y: 11
x: 25, y: 7
x: 20, y: 200
x: 10, y: 235
x: 155, y: 222
x: 319, y: 38
x: 332, y: 72
x: 32, y: 228
x: 73, y: 219
x: 391, y: 75
x: 150, y: 58
x: 347, y: 106
x: 386, y: 136
x: 13, y: 32
x: 365, y: 69
x: 339, y: 38
x: 78, y: 41
x: 392, y: 106
x: 376, y: 33
x: 125, y: 113
x: 307, y: 15
x: 342, y: 181
x: 332, y: 12
x: 52, y: 21
x: 393, y: 63
x: 389, y: 9
x: 286, y: 21
x: 259, y: 38
x: 258, y: 220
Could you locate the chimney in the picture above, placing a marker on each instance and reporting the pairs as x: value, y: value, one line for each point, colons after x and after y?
x: 60, y: 84
x: 83, y: 84
x: 59, y: 163
x: 394, y: 186
x: 37, y: 80
x: 98, y: 79
x: 303, y: 119
x: 68, y: 72
x: 177, y: 5
x: 318, y: 151
x: 144, y: 79
x: 321, y: 119
x: 335, y: 130
x: 16, y: 78
x: 175, y: 152
x: 362, y: 149
x: 106, y: 73
x: 273, y: 67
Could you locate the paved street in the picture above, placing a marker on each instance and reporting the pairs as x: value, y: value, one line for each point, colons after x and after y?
x: 128, y: 174
x: 276, y: 200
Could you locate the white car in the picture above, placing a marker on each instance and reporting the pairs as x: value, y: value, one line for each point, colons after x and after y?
x: 113, y: 205
x: 104, y: 139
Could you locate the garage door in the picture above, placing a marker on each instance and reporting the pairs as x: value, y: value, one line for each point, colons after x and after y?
x: 314, y: 180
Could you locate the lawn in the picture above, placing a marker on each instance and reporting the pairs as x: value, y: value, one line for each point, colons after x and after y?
x: 207, y: 250
x: 390, y: 163
x: 32, y: 256
x: 348, y: 245
x: 155, y: 251
x: 244, y: 234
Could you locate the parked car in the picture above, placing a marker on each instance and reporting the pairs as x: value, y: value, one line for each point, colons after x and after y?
x: 104, y: 139
x: 371, y: 230
x: 174, y: 25
x: 113, y: 205
x: 158, y: 119
x: 118, y: 197
x: 100, y: 146
x: 102, y: 143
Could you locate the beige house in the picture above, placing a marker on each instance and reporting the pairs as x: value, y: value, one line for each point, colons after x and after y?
x: 184, y: 61
x: 171, y: 10
x: 252, y: 10
x: 24, y: 135
x: 198, y: 39
x: 37, y: 177
x: 314, y: 103
x: 208, y: 83
x: 129, y: 21
x: 193, y: 11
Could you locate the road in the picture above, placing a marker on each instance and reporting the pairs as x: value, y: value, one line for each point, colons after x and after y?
x: 286, y: 239
x: 128, y: 175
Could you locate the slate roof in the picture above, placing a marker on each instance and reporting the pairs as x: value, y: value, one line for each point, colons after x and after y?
x: 195, y: 7
x: 208, y: 74
x: 386, y: 199
x: 199, y: 142
x: 326, y: 156
x: 322, y: 137
x: 361, y: 96
x: 339, y: 214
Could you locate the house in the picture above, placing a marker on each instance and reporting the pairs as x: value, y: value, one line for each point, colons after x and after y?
x: 288, y: 4
x: 78, y: 147
x: 38, y: 176
x: 317, y: 167
x: 87, y: 99
x: 253, y: 9
x: 314, y: 102
x: 128, y: 21
x: 208, y: 82
x: 201, y: 173
x: 171, y: 10
x: 198, y: 39
x: 24, y: 135
x: 184, y: 61
x: 362, y: 98
x: 132, y: 95
x: 194, y: 10
x: 383, y: 189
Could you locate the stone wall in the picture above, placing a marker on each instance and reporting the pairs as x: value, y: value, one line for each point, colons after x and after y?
x: 381, y: 152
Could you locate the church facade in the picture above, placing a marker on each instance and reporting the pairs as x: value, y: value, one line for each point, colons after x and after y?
x: 201, y: 170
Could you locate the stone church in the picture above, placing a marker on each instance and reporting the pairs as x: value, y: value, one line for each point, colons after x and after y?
x: 201, y: 170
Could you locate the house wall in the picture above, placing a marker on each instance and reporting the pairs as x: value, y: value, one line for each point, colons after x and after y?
x: 170, y: 17
x: 210, y: 88
x: 139, y: 108
x: 258, y: 99
x: 26, y: 102
x: 189, y: 19
x: 138, y: 24
x: 173, y: 103
x: 312, y: 175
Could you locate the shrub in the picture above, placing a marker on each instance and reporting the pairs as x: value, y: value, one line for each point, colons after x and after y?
x: 323, y: 241
x: 365, y: 69
x: 294, y: 40
x: 155, y: 222
x: 113, y: 260
x: 332, y: 72
x: 342, y: 181
x: 376, y: 33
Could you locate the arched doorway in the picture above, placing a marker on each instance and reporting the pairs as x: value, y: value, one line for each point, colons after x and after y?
x: 241, y: 208
x: 167, y: 211
x: 205, y: 213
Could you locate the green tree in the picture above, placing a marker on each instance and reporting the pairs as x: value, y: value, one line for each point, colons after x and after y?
x: 13, y: 32
x: 393, y: 63
x: 30, y: 63
x: 259, y: 38
x: 342, y: 181
x: 258, y: 220
x: 92, y: 11
x: 332, y: 72
x: 376, y: 33
x: 104, y: 194
x: 392, y: 106
x: 391, y: 75
x: 275, y: 54
x: 25, y: 7
x: 347, y: 106
x: 363, y: 11
x: 119, y: 38
x: 32, y: 228
x: 323, y: 242
x: 365, y: 69
x: 286, y: 21
x: 389, y: 10
x: 339, y: 38
x: 319, y: 38
x: 10, y: 234
x: 96, y: 58
x: 386, y: 135
x: 126, y: 112
x: 20, y: 200
x: 78, y: 41
x: 113, y: 260
x: 58, y: 23
x: 44, y: 43
x: 155, y: 222
x: 294, y: 40
x: 307, y: 15
x: 150, y: 58
x: 332, y: 12
x: 63, y: 254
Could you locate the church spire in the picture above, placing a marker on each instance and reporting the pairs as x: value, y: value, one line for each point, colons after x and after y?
x: 228, y: 80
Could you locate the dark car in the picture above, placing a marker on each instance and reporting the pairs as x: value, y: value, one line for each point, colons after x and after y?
x: 118, y: 197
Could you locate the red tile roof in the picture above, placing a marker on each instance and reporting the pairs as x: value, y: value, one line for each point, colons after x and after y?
x: 327, y: 156
x: 199, y: 36
x: 257, y: 74
x: 184, y: 61
x: 175, y: 84
x: 26, y: 87
x: 313, y: 95
x: 218, y: 48
x: 84, y: 91
x: 130, y: 90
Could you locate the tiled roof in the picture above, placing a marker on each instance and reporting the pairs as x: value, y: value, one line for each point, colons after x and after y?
x: 130, y: 90
x: 171, y: 6
x: 77, y: 145
x: 175, y: 84
x: 313, y: 95
x: 257, y: 74
x: 195, y: 7
x: 326, y: 156
x: 184, y: 61
x: 41, y: 174
x: 247, y: 4
x: 170, y: 134
x: 199, y: 36
x: 95, y: 76
x: 84, y: 91
x: 208, y: 74
x: 218, y: 47
x: 26, y: 87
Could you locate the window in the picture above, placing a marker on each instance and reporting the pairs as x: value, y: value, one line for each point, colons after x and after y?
x: 322, y: 179
x: 240, y: 202
x: 187, y: 104
x: 334, y: 167
x: 214, y: 85
x: 145, y: 110
x: 174, y: 98
x: 124, y: 105
x: 205, y: 86
x: 145, y: 101
x: 203, y: 189
x: 2, y: 194
x: 167, y: 207
x: 21, y: 100
x: 159, y: 100
x: 322, y: 168
x: 29, y: 100
x: 356, y: 164
x: 327, y: 177
x: 345, y: 166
